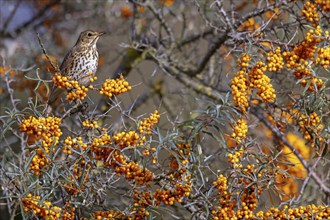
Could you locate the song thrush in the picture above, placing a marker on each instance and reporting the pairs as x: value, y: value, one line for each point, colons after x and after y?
x: 80, y: 62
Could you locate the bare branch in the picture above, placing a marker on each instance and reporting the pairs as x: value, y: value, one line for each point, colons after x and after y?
x: 281, y: 137
x: 45, y: 53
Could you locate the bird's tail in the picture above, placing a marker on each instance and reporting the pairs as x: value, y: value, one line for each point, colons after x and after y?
x: 54, y: 96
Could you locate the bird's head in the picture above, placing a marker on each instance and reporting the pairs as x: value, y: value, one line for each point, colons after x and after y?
x: 89, y: 38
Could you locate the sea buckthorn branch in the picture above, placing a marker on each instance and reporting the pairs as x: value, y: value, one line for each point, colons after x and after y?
x: 77, y: 107
x: 113, y: 156
x: 311, y: 127
x: 55, y: 67
x: 285, y: 181
x: 43, y: 209
x: 75, y: 90
x: 48, y: 132
x: 78, y: 177
x: 290, y: 168
x: 309, y: 212
x: 78, y: 92
x: 179, y: 185
x: 302, y: 56
x: 305, y: 183
x: 174, y: 186
x: 247, y: 79
x: 281, y: 137
x: 259, y: 12
x: 162, y: 22
x: 242, y: 205
x: 10, y: 90
x: 109, y: 215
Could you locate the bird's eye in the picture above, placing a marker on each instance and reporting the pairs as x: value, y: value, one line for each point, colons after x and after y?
x: 89, y: 34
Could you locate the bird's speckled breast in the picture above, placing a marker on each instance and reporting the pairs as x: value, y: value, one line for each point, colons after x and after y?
x: 84, y: 63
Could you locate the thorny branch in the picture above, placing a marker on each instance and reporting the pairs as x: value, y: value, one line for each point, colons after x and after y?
x: 45, y: 53
x: 256, y: 112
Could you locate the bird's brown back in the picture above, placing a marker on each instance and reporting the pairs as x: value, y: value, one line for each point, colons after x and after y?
x: 81, y: 61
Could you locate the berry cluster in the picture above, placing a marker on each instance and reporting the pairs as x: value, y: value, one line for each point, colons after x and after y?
x: 126, y: 139
x: 302, y: 55
x: 168, y: 196
x: 254, y: 78
x: 249, y: 25
x: 302, y: 212
x: 248, y: 198
x: 133, y: 171
x: 115, y: 87
x: 76, y: 91
x: 107, y: 149
x: 239, y: 87
x: 6, y: 69
x: 101, y: 147
x: 305, y: 50
x: 240, y: 130
x: 68, y: 212
x: 261, y: 82
x: 39, y: 161
x: 310, y: 13
x: 178, y: 187
x: 79, y: 176
x: 108, y: 215
x: 45, y: 129
x: 323, y: 57
x: 146, y: 125
x: 311, y: 126
x: 90, y: 124
x: 249, y: 202
x: 73, y: 143
x: 225, y: 209
x: 179, y: 174
x: 44, y: 209
x: 221, y: 185
x: 167, y: 3
x: 275, y: 60
x: 235, y: 158
x: 324, y: 4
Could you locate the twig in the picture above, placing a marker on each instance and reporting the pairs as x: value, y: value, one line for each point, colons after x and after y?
x: 221, y: 40
x: 303, y: 187
x: 194, y: 37
x: 281, y: 137
x: 45, y: 53
x: 258, y: 12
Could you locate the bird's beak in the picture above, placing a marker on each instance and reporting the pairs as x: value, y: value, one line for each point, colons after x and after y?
x: 100, y: 33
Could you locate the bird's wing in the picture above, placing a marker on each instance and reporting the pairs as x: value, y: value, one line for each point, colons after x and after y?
x: 67, y: 61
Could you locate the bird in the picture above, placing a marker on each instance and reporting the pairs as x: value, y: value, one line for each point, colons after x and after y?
x: 79, y: 64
